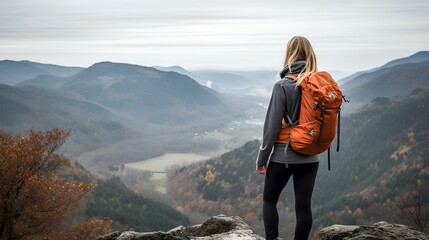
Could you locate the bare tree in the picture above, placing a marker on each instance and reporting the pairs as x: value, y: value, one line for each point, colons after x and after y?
x: 412, y: 211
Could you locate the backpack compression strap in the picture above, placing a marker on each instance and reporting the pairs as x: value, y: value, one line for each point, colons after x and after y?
x: 287, y: 117
x: 329, y: 159
x: 338, y: 129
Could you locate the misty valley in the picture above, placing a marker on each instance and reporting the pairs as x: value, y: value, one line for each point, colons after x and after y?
x: 178, y: 146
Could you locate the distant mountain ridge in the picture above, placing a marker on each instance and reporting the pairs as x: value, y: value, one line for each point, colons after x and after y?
x: 230, y: 81
x: 57, y: 70
x: 389, y: 82
x: 14, y: 72
x: 394, y: 78
x: 421, y: 56
x: 133, y: 90
x: 148, y: 80
x: 181, y: 70
x: 39, y: 109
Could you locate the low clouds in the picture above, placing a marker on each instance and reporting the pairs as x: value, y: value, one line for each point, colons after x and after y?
x: 211, y: 34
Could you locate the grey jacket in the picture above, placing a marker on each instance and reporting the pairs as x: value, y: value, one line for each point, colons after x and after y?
x: 285, y: 102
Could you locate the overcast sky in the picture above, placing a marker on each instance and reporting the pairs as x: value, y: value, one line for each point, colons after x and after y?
x: 212, y: 34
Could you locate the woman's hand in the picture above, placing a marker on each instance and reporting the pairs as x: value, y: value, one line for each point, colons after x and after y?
x: 261, y: 169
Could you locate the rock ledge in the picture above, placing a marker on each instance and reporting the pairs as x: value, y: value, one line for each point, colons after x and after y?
x: 378, y: 231
x: 215, y: 228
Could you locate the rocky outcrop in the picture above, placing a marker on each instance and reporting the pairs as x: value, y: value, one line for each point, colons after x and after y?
x: 378, y: 231
x: 215, y: 228
x: 222, y: 227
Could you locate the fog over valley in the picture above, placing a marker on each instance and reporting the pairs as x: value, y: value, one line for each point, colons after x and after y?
x: 121, y: 113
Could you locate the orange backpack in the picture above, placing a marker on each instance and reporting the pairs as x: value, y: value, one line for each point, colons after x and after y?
x: 321, y: 99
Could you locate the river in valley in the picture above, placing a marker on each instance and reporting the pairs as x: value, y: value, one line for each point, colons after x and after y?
x: 157, y: 165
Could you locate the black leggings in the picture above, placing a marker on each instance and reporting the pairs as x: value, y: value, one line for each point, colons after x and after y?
x: 277, y: 176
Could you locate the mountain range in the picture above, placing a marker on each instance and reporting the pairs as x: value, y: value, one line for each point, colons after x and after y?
x: 231, y: 81
x: 135, y: 111
x: 391, y: 79
x: 132, y: 90
x: 134, y: 97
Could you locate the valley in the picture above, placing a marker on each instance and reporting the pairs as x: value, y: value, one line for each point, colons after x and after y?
x: 156, y: 167
x: 153, y: 170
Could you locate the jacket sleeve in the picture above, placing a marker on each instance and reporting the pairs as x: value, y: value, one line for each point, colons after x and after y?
x: 273, y: 123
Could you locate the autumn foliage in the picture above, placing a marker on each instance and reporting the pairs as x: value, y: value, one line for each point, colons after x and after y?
x: 33, y: 199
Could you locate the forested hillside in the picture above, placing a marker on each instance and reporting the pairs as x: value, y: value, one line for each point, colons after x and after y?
x: 111, y: 199
x: 227, y: 184
x: 129, y: 210
x: 224, y: 184
x: 383, y: 155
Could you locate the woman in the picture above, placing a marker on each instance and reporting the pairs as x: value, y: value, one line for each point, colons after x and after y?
x: 284, y: 162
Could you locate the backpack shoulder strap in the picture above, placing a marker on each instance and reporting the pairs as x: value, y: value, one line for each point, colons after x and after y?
x: 293, y: 100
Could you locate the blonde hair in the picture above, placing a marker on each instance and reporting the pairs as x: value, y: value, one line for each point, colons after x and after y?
x: 299, y: 48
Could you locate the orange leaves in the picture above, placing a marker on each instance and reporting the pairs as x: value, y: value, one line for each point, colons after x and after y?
x: 89, y: 229
x: 210, y: 176
x: 24, y: 157
x: 402, y: 150
x: 33, y: 198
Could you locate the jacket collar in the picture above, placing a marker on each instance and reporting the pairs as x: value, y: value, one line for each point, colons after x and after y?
x: 295, y: 68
